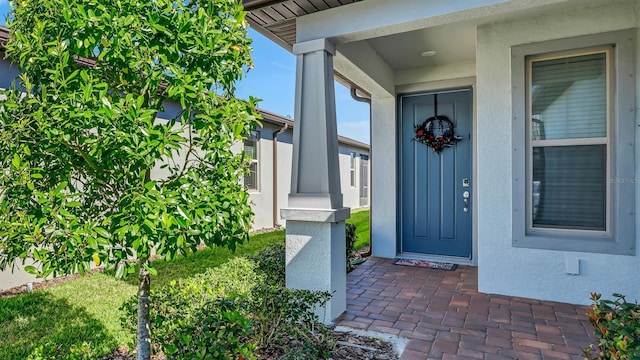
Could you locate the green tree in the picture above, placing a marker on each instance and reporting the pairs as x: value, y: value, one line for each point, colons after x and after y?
x: 81, y: 147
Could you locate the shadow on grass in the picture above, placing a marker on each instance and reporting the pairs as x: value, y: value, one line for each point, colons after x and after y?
x: 40, y: 326
x: 196, y: 263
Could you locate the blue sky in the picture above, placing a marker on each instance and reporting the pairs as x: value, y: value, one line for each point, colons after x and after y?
x: 4, y: 10
x: 273, y: 80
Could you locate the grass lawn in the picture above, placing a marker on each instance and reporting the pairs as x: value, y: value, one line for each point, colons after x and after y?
x: 84, y: 313
x: 83, y: 316
x: 206, y: 258
x: 361, y: 220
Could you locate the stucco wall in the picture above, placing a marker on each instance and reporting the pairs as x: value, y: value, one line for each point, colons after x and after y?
x: 350, y: 194
x: 383, y: 176
x: 502, y: 268
x: 262, y: 199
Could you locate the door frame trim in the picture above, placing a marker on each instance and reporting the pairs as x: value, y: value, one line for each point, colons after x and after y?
x: 439, y: 87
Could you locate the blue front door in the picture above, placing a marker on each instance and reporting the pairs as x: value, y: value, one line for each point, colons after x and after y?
x: 435, y: 216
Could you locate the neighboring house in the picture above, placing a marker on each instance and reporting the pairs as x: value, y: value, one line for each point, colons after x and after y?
x: 269, y: 190
x: 540, y: 193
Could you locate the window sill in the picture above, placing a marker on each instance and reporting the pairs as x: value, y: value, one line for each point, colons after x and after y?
x: 603, y: 244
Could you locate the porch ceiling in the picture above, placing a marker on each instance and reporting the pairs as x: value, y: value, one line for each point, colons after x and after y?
x: 451, y: 43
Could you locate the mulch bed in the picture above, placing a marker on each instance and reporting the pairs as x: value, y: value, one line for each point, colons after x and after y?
x: 348, y: 347
x: 37, y: 285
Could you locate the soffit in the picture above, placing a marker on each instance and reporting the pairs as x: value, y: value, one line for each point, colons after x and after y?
x: 4, y: 36
x: 277, y: 19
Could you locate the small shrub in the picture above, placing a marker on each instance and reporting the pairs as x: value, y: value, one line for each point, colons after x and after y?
x: 272, y: 262
x: 217, y: 330
x: 617, y: 322
x: 286, y: 317
x: 228, y: 312
x: 351, y: 238
x: 183, y: 308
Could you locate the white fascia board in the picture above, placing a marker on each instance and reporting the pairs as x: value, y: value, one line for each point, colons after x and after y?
x: 374, y: 18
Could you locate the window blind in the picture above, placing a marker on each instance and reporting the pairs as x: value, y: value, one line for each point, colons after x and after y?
x: 569, y: 96
x: 569, y: 108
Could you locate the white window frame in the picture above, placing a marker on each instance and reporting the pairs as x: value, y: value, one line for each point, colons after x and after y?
x: 619, y: 235
x: 255, y: 160
x: 606, y: 140
x: 352, y: 169
x: 364, y: 180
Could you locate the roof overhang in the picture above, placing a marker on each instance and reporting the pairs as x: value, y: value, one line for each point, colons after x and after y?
x: 276, y: 19
x: 4, y: 36
x: 280, y: 121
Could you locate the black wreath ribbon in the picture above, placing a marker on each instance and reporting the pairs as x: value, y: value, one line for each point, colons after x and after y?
x: 425, y: 134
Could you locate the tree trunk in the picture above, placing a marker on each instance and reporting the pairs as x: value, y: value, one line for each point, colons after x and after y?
x: 144, y: 341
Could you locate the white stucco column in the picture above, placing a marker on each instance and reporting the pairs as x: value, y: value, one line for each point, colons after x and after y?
x: 383, y: 181
x: 316, y: 250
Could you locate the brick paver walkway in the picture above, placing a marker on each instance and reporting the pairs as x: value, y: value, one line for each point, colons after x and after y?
x: 444, y: 317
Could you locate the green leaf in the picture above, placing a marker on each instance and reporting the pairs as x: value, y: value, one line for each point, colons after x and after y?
x: 181, y: 221
x: 15, y: 161
x: 102, y: 232
x: 92, y: 242
x: 150, y: 269
x: 73, y: 75
x: 60, y: 187
x: 150, y: 185
x: 182, y: 213
x: 120, y: 270
x: 31, y: 269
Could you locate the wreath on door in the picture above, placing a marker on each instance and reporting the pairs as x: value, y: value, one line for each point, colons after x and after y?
x: 437, y: 132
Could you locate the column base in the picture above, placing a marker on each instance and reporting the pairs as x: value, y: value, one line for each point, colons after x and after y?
x: 316, y: 260
x: 316, y: 215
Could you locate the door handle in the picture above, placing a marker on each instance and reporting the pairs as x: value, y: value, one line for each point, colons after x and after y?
x: 465, y: 198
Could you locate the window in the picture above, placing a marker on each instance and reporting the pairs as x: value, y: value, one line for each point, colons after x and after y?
x: 251, y: 150
x: 573, y: 144
x: 569, y: 110
x: 352, y: 169
x: 364, y: 180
